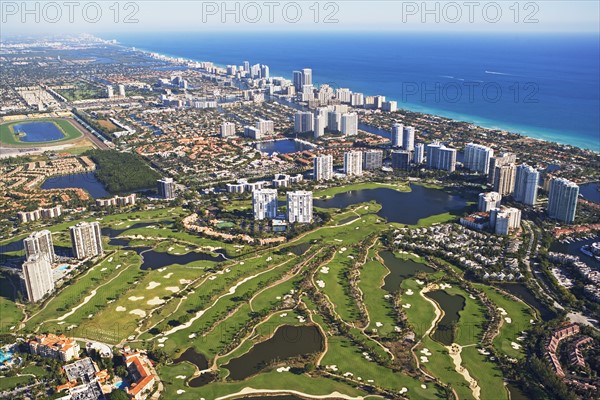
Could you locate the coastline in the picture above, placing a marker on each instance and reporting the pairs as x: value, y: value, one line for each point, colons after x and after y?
x: 530, y: 132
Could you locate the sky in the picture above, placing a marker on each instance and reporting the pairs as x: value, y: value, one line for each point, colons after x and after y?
x: 105, y: 17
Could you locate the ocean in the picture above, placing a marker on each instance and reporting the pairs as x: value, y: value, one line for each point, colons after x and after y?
x: 542, y: 86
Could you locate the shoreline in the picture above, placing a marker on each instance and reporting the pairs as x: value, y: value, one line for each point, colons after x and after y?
x: 481, y: 122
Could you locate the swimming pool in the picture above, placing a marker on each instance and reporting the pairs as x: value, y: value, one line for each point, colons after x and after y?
x: 5, y: 356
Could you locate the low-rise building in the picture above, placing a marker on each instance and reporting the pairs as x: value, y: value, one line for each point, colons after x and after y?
x: 54, y: 346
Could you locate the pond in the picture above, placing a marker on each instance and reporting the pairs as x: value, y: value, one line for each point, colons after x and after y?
x: 590, y: 191
x: 283, y: 146
x: 445, y: 331
x: 402, y: 207
x: 86, y: 181
x: 37, y: 132
x: 522, y: 292
x: 287, y: 342
x: 200, y: 361
x: 400, y: 269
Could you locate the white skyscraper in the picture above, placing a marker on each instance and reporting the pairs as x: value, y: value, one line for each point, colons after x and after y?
x: 304, y: 122
x: 122, y: 90
x: 488, y: 201
x: 397, y: 132
x: 344, y: 95
x: 166, y: 188
x: 441, y: 157
x: 323, y: 167
x: 372, y: 160
x: 477, y: 157
x: 408, y: 138
x: 320, y: 124
x: 307, y: 76
x: 562, y: 200
x: 353, y: 163
x: 349, y: 124
x: 227, y: 129
x: 37, y: 274
x: 526, y: 184
x: 264, y: 203
x: 503, y: 220
x: 266, y: 127
x: 86, y: 240
x: 334, y: 121
x: 357, y: 99
x: 40, y: 243
x: 300, y: 206
x: 419, y: 154
x: 110, y: 91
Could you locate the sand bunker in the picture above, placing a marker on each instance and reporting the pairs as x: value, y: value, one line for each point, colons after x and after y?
x: 409, y: 292
x: 155, y: 301
x: 135, y: 298
x: 167, y: 276
x: 120, y: 309
x: 152, y: 285
x: 173, y: 289
x: 138, y: 312
x: 321, y: 284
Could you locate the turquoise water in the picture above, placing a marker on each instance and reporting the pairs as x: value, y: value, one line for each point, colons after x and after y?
x: 120, y: 385
x: 63, y: 268
x: 5, y: 356
x: 38, y: 131
x: 549, y: 86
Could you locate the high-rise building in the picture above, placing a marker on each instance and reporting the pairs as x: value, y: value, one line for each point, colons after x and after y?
x: 264, y: 71
x: 344, y: 95
x: 505, y: 219
x: 477, y: 158
x: 227, y: 129
x: 304, y: 122
x: 264, y: 203
x: 562, y: 200
x: 266, y: 127
x: 372, y: 160
x: 419, y: 154
x: 300, y: 206
x: 323, y: 167
x: 389, y: 106
x: 298, y: 80
x: 357, y: 99
x: 334, y: 121
x: 504, y: 179
x: 247, y: 66
x: 110, y: 91
x: 166, y: 188
x: 307, y: 76
x: 397, y: 132
x: 252, y: 132
x: 37, y: 274
x: 441, y: 157
x: 86, y: 240
x: 488, y: 201
x: 498, y: 161
x: 353, y: 163
x: 526, y: 184
x: 320, y: 124
x: 39, y: 243
x: 122, y: 90
x: 408, y: 138
x: 400, y: 159
x: 349, y: 124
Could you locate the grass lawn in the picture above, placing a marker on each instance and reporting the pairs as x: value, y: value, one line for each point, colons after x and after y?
x: 10, y: 314
x: 8, y: 137
x: 332, y: 191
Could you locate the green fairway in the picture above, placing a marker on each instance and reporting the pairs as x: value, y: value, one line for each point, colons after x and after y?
x: 8, y: 137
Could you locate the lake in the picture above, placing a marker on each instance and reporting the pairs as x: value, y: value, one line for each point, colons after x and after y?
x: 38, y: 132
x: 522, y: 292
x: 400, y: 269
x: 287, y: 342
x: 86, y: 181
x: 283, y: 146
x: 590, y: 191
x: 402, y: 207
x: 445, y: 331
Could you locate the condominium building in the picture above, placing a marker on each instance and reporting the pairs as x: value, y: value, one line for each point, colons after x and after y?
x: 562, y: 200
x: 334, y: 121
x: 397, y: 132
x: 227, y: 129
x: 265, y: 127
x: 400, y: 159
x: 39, y: 243
x: 353, y: 161
x: 372, y: 160
x: 441, y: 157
x: 37, y: 275
x: 264, y: 203
x: 304, y: 122
x: 408, y: 138
x: 498, y: 161
x: 419, y: 153
x: 488, y: 201
x: 505, y: 219
x: 30, y: 216
x: 300, y: 206
x: 349, y: 124
x: 504, y: 179
x: 526, y: 184
x: 323, y: 167
x: 54, y: 346
x: 166, y: 188
x: 117, y: 201
x: 320, y: 125
x: 252, y: 132
x: 477, y: 157
x: 86, y: 240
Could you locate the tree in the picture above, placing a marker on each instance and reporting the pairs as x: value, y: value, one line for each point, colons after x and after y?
x: 118, y: 394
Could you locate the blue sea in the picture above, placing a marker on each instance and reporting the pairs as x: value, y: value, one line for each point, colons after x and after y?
x: 543, y: 86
